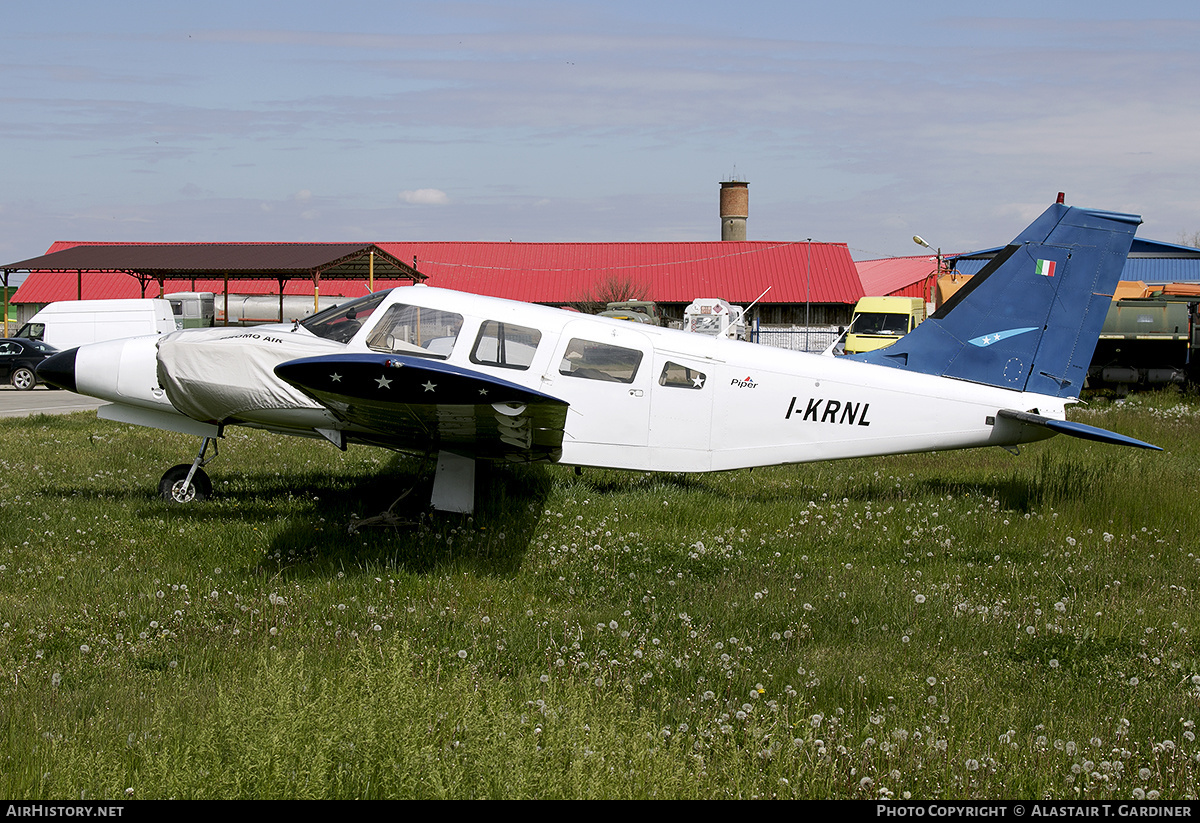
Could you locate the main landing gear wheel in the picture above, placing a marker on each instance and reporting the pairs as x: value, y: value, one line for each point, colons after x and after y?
x: 174, y: 487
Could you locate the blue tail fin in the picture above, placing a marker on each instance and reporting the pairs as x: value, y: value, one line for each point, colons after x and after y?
x: 1030, y: 319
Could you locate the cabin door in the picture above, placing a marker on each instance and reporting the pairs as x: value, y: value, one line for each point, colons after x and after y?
x: 604, y: 371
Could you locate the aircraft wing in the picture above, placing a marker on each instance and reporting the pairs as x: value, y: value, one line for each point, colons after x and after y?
x: 418, y: 404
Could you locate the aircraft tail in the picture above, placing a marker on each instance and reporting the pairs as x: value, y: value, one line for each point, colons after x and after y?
x: 1029, y: 321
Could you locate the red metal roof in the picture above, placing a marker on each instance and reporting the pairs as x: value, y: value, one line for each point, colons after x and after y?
x: 898, y: 276
x: 553, y: 273
x: 670, y: 272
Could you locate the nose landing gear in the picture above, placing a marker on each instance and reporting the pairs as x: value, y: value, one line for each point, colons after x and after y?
x: 188, y: 482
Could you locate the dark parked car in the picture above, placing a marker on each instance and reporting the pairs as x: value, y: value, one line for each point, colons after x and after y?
x: 19, y: 358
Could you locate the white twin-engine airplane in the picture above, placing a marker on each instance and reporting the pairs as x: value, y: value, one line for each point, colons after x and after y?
x: 470, y: 378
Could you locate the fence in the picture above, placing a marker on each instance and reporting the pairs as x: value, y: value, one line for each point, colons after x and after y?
x: 797, y: 338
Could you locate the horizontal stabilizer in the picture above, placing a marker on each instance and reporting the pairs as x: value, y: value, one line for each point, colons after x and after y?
x: 1073, y: 429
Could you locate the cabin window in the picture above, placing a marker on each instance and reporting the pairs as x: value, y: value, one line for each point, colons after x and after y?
x: 342, y: 322
x: 505, y: 345
x: 416, y: 330
x: 676, y: 376
x: 600, y: 361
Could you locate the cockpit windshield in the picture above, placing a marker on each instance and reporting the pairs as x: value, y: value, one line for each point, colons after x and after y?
x: 342, y: 322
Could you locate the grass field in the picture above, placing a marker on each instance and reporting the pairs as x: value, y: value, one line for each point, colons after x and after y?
x: 957, y: 625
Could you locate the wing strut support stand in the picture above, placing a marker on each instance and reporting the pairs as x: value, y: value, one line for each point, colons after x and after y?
x: 454, y: 483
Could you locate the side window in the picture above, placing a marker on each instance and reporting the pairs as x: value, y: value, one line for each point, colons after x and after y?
x: 416, y: 330
x: 600, y: 361
x: 9, y: 349
x: 505, y: 345
x: 680, y: 377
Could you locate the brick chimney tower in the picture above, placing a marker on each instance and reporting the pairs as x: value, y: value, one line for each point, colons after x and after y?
x: 735, y: 206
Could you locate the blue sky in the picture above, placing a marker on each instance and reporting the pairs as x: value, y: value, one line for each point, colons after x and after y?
x: 860, y: 122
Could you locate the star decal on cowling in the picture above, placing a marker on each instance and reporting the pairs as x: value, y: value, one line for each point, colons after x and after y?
x: 384, y: 382
x: 335, y: 377
x: 483, y: 392
x: 429, y: 386
x: 698, y: 381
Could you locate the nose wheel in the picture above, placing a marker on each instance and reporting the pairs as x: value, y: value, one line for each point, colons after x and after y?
x: 188, y: 482
x: 176, y: 488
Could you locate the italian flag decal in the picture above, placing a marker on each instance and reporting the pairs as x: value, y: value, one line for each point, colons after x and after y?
x: 1045, y: 268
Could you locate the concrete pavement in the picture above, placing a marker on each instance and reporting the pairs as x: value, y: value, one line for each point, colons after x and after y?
x: 41, y: 400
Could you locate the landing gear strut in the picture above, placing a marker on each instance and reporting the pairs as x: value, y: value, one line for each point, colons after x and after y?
x: 188, y: 481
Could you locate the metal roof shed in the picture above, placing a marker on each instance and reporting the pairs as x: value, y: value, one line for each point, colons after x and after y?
x: 228, y: 261
x: 1152, y: 261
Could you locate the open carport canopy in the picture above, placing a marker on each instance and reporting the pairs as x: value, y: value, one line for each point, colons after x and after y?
x: 231, y: 261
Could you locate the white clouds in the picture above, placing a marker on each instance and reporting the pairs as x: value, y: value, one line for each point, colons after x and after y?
x: 425, y: 197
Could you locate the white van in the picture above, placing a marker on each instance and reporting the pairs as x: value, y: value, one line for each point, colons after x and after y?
x: 72, y: 323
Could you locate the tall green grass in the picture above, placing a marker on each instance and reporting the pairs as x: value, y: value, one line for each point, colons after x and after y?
x: 954, y: 625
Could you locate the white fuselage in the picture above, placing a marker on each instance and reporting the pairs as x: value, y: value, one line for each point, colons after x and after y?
x: 693, y: 403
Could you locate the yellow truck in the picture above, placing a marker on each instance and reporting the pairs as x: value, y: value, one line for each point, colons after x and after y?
x: 881, y: 321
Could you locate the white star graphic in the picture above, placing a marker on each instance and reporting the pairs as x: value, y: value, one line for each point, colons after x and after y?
x: 384, y: 382
x: 483, y: 392
x: 430, y: 386
x: 698, y: 380
x: 335, y: 377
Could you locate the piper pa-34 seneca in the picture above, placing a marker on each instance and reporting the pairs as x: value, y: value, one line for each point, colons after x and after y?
x: 469, y: 378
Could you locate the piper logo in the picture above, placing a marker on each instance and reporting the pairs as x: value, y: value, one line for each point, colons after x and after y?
x: 748, y: 383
